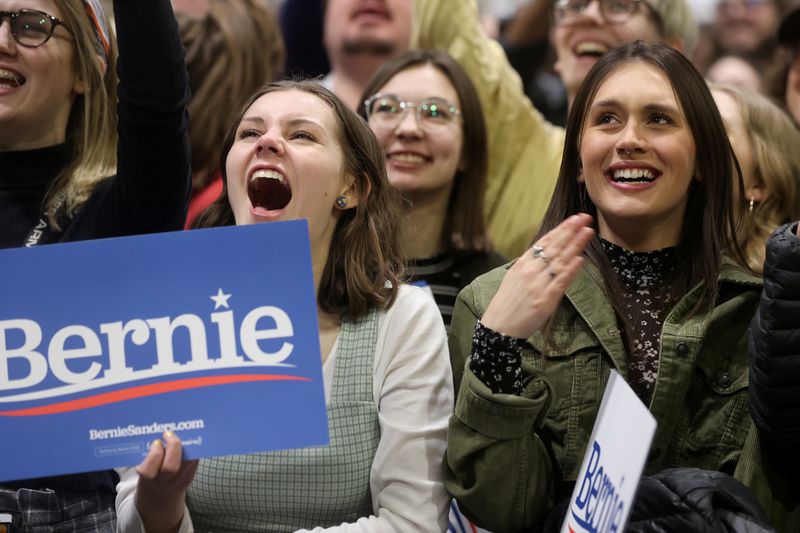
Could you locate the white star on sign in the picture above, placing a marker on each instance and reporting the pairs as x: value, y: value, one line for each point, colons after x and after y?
x: 220, y: 300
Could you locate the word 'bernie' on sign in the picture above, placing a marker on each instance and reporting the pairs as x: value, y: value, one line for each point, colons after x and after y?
x: 114, y: 366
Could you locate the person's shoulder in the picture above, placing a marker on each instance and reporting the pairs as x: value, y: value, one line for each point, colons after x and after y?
x: 784, y: 242
x: 732, y: 273
x: 412, y: 319
x: 483, y: 288
x: 411, y: 299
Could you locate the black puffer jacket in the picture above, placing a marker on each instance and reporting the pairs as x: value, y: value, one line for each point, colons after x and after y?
x: 775, y: 350
x: 683, y: 500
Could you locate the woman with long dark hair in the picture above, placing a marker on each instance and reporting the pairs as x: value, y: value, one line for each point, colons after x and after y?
x: 636, y: 269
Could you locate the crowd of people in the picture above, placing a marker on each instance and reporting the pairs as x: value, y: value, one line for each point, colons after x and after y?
x: 505, y: 204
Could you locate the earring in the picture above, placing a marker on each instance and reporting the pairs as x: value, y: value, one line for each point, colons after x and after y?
x: 341, y: 201
x: 752, y: 202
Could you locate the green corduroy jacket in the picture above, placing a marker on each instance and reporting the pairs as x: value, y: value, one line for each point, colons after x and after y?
x: 511, y: 458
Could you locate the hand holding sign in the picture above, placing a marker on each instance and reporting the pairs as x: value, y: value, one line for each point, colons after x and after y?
x: 164, y: 478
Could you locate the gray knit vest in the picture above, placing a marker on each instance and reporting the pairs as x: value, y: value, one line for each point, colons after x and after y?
x: 296, y: 489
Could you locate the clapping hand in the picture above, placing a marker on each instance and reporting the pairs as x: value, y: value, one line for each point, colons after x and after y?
x: 536, y: 282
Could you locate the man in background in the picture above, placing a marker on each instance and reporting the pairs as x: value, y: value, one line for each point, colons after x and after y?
x: 359, y: 36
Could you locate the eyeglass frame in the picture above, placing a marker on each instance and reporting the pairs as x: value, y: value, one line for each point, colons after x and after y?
x: 748, y: 5
x: 404, y: 106
x: 13, y: 15
x: 637, y: 4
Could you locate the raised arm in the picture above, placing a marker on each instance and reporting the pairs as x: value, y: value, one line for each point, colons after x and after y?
x: 498, y: 466
x: 524, y: 149
x: 151, y: 189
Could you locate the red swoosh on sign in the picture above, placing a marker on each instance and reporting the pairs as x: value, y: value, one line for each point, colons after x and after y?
x: 143, y: 391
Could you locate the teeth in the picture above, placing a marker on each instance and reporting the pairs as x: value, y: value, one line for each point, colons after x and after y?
x: 591, y: 48
x: 407, y: 158
x: 634, y: 174
x: 9, y: 76
x: 268, y: 174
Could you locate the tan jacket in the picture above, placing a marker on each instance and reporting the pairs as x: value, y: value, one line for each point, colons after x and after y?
x: 524, y: 149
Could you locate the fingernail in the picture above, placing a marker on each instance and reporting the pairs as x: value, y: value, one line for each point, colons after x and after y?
x: 156, y: 442
x: 168, y: 434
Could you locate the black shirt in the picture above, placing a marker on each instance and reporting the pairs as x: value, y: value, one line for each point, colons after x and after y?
x: 150, y: 190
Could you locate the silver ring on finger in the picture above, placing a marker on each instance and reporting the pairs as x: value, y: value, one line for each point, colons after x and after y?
x: 538, y: 253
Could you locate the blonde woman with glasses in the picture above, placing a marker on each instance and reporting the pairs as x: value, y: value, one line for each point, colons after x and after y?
x: 78, y: 163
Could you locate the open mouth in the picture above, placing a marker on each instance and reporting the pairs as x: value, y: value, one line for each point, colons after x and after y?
x: 268, y: 190
x: 10, y: 79
x: 633, y: 175
x: 590, y: 49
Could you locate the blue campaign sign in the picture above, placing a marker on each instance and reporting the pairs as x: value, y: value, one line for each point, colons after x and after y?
x: 106, y: 344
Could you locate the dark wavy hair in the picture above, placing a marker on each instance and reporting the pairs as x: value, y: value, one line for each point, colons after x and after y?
x: 365, y: 263
x: 464, y: 225
x: 710, y: 222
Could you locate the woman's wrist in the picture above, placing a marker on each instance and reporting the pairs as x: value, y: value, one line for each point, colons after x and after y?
x: 496, y: 360
x: 160, y: 514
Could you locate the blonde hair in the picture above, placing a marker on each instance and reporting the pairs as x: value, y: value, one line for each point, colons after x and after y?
x: 231, y: 51
x: 775, y: 141
x: 92, y: 124
x: 677, y: 23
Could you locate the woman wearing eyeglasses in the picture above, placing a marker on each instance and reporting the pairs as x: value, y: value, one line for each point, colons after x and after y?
x: 524, y: 149
x: 77, y: 164
x: 428, y: 120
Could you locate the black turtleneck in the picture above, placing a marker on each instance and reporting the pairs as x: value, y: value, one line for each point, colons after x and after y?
x: 150, y: 190
x: 24, y: 179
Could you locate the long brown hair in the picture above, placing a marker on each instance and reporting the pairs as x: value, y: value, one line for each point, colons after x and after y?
x: 464, y: 225
x: 709, y: 223
x: 364, y: 264
x: 231, y: 51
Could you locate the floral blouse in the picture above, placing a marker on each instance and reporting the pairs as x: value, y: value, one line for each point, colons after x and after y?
x: 644, y: 276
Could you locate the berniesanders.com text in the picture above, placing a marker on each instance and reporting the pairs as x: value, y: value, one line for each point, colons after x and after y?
x: 156, y: 428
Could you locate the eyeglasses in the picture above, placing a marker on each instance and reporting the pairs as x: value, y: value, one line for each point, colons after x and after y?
x: 387, y: 111
x: 31, y: 28
x: 567, y: 12
x: 748, y: 5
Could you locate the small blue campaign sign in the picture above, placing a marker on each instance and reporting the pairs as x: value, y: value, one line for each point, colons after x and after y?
x: 106, y: 344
